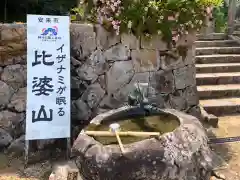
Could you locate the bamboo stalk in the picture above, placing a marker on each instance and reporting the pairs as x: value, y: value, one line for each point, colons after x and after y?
x: 126, y: 133
x: 119, y: 142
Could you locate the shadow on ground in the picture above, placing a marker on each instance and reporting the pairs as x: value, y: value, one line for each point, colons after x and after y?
x: 222, y: 153
x: 39, y: 167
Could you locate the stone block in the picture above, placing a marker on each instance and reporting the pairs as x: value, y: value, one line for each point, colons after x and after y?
x: 102, y: 81
x: 83, y: 40
x: 195, y: 111
x: 191, y: 96
x: 111, y: 101
x: 93, y: 95
x: 163, y: 82
x: 87, y: 73
x: 98, y: 62
x: 18, y: 100
x: 12, y: 32
x: 177, y: 100
x: 187, y: 39
x: 105, y: 39
x: 119, y: 75
x: 12, y: 53
x: 168, y: 63
x: 119, y: 52
x: 159, y: 100
x: 76, y: 62
x: 184, y: 77
x: 6, y: 93
x: 130, y: 41
x: 80, y: 110
x: 78, y: 87
x: 5, y: 139
x: 213, y: 120
x: 12, y: 44
x: 17, y: 147
x: 154, y: 43
x: 9, y: 120
x: 190, y: 58
x: 145, y: 60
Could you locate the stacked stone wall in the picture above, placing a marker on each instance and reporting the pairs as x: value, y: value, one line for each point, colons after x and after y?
x: 104, y: 68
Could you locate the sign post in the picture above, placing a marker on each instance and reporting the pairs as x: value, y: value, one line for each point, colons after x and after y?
x: 48, y: 78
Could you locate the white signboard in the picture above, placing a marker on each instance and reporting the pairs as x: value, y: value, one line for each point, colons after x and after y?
x: 48, y: 77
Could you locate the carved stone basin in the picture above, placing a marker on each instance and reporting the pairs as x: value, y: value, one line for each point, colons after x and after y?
x: 181, y: 151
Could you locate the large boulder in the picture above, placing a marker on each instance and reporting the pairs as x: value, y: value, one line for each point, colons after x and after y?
x: 180, y: 154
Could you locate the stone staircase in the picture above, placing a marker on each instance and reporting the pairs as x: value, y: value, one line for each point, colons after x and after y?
x: 218, y: 74
x: 218, y: 77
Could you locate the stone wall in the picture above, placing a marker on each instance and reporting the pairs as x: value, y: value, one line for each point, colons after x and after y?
x: 104, y: 68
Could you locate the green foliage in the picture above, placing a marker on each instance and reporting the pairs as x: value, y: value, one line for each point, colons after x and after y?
x: 77, y: 12
x: 168, y: 18
x: 220, y: 17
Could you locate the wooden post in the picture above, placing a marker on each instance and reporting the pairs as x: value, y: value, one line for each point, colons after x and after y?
x: 26, y: 153
x: 231, y: 16
x: 68, y: 152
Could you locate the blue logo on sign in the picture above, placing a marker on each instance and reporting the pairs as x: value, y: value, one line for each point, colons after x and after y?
x: 50, y: 31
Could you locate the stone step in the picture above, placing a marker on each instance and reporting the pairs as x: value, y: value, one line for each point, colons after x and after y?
x: 218, y: 78
x: 212, y: 36
x: 220, y: 107
x: 237, y: 25
x: 218, y: 58
x: 218, y: 91
x: 216, y: 43
x: 236, y: 33
x: 219, y: 67
x: 217, y: 50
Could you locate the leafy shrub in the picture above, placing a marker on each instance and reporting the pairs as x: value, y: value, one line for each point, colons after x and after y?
x: 220, y: 17
x: 168, y: 18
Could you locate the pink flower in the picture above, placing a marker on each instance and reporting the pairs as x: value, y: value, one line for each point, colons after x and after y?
x: 171, y: 18
x: 115, y: 26
x: 52, y: 177
x: 209, y: 10
x: 177, y: 15
x: 175, y: 38
x: 113, y: 8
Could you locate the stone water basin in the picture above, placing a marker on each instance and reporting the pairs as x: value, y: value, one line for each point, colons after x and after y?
x: 181, y: 152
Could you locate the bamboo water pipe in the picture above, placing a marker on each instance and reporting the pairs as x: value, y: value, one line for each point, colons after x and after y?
x: 125, y: 133
x: 115, y: 128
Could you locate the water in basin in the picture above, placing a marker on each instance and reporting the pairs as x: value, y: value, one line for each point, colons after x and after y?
x: 155, y: 123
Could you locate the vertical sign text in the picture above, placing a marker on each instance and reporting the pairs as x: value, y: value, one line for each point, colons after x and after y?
x: 48, y: 77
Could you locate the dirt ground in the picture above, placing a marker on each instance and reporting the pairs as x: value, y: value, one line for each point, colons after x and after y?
x: 14, y: 170
x: 229, y: 126
x: 229, y: 153
x: 12, y: 167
